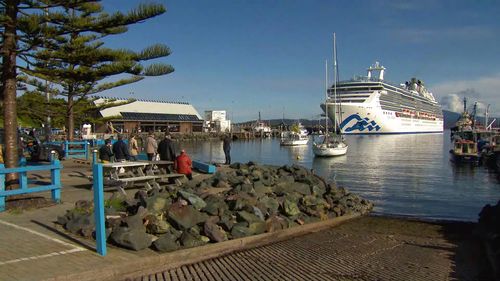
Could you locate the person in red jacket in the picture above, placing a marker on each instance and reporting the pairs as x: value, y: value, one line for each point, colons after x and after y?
x: 183, y: 164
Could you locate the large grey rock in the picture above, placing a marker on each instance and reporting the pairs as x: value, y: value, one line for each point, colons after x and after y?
x: 300, y: 187
x: 189, y: 240
x: 157, y: 204
x: 185, y: 216
x: 227, y: 221
x: 81, y: 224
x: 214, y: 232
x: 258, y: 212
x: 247, y: 217
x: 275, y: 223
x: 240, y: 230
x: 135, y: 221
x: 257, y: 227
x: 135, y: 239
x: 215, y: 206
x: 166, y: 243
x: 272, y: 205
x: 195, y: 200
x: 157, y: 224
x: 261, y: 189
x: 290, y: 208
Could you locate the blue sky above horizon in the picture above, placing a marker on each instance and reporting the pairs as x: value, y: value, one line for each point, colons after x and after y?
x: 247, y: 57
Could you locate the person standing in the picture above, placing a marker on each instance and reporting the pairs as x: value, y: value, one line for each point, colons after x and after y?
x: 120, y: 150
x: 150, y: 146
x: 226, y: 146
x: 133, y: 148
x: 105, y: 153
x: 183, y: 164
x: 166, y: 149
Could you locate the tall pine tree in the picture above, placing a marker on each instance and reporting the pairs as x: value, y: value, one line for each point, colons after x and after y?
x: 77, y: 60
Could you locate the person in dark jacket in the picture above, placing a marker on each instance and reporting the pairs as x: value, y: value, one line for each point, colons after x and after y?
x: 105, y: 153
x: 167, y: 152
x: 226, y: 146
x: 166, y: 149
x: 120, y: 149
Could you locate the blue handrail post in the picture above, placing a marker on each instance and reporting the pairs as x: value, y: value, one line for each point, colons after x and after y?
x: 66, y: 148
x: 55, y: 177
x: 87, y: 148
x: 2, y: 188
x: 22, y: 161
x: 100, y: 230
x: 94, y: 157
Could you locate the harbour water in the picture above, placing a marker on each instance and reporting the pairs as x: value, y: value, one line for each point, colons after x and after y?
x: 404, y: 175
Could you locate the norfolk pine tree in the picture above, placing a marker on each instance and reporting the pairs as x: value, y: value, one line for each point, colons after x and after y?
x: 78, y: 62
x: 21, y: 29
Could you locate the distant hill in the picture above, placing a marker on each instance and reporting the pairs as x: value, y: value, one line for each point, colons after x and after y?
x: 450, y: 118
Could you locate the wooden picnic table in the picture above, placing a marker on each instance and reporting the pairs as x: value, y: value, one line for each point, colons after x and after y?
x: 128, y: 173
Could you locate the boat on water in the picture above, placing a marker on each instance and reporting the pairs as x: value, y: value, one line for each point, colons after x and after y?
x: 332, y: 144
x: 472, y: 142
x: 465, y: 137
x: 261, y: 129
x: 372, y: 105
x: 297, y: 135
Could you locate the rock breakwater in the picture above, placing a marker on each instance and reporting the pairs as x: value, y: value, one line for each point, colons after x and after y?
x: 242, y: 200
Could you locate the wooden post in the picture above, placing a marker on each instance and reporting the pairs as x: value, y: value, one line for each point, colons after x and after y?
x: 100, y: 230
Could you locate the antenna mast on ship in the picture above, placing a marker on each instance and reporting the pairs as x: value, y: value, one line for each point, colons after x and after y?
x: 326, y: 102
x: 335, y: 75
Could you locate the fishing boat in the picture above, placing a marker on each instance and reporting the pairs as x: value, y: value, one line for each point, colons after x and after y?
x: 261, y: 129
x: 297, y: 135
x: 334, y: 144
x: 464, y: 138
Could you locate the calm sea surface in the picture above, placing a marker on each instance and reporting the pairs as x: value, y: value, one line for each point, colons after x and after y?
x: 404, y: 175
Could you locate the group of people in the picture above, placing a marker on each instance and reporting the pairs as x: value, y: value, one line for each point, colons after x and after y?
x: 162, y: 151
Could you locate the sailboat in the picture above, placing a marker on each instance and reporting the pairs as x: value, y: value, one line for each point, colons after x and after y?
x: 332, y: 145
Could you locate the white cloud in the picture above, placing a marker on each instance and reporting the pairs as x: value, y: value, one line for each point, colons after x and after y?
x: 483, y: 90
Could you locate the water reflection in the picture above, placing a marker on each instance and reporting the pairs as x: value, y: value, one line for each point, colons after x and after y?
x: 402, y: 174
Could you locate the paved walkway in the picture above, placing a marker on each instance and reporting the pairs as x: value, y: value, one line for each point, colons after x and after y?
x: 368, y: 248
x: 33, y: 247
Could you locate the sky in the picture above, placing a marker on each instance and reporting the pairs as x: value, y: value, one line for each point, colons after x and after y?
x: 268, y: 56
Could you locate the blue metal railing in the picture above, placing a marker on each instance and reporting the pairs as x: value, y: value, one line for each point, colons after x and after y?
x: 71, y: 151
x: 98, y: 188
x: 55, y: 180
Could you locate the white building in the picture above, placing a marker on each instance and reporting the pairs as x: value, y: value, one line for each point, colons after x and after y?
x: 147, y: 115
x: 215, y: 121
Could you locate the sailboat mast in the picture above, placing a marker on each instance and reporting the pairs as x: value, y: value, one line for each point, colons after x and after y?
x: 326, y: 99
x: 335, y: 83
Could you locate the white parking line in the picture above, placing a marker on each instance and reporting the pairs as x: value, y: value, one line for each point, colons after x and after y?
x: 73, y: 250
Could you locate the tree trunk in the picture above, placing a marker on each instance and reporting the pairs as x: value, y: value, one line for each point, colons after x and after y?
x: 9, y: 90
x: 70, y: 123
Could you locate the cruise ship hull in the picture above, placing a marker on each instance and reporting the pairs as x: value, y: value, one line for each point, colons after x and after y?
x: 370, y: 119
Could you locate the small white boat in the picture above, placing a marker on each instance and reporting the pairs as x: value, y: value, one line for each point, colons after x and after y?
x: 298, y: 135
x: 261, y: 130
x: 331, y: 145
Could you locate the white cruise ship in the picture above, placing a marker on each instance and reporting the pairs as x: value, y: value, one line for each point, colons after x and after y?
x: 371, y: 105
